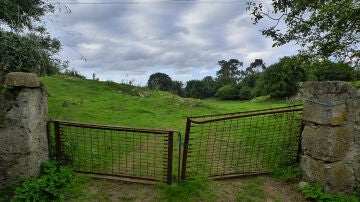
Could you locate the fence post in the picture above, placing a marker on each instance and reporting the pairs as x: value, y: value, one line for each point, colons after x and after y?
x: 331, y: 136
x: 170, y: 157
x: 186, y: 148
x: 57, y: 141
x: 23, y: 118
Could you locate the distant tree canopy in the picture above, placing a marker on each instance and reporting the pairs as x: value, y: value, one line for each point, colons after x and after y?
x: 25, y: 45
x: 177, y: 88
x: 282, y: 79
x: 330, y: 71
x: 325, y: 28
x: 279, y: 80
x: 160, y: 81
x: 201, y: 88
x: 229, y: 72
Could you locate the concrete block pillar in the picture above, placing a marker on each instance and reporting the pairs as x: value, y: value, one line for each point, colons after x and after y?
x: 330, y: 139
x: 23, y: 134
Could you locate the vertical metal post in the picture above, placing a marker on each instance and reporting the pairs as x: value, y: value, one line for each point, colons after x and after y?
x: 179, y: 158
x: 48, y: 135
x: 298, y: 155
x: 170, y: 157
x: 58, y: 141
x: 185, y: 151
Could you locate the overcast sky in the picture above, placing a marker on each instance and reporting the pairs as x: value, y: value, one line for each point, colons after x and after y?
x: 125, y: 40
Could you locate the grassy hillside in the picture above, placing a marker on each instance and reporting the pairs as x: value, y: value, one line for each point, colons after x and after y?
x: 110, y: 103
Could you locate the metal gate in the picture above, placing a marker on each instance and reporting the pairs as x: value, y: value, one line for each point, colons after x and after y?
x: 215, y: 146
x: 132, y: 154
x: 245, y: 143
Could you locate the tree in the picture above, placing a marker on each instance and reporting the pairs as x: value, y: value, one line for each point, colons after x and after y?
x: 330, y: 71
x: 177, y: 88
x: 324, y: 28
x: 227, y: 92
x: 24, y: 43
x: 229, y: 72
x: 201, y: 88
x: 160, y: 81
x: 282, y: 78
x: 210, y: 86
x: 255, y: 67
x: 29, y: 53
x: 20, y: 14
x: 194, y: 89
x: 249, y: 77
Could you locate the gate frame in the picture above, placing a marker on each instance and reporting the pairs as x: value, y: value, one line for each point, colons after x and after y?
x: 59, y: 155
x: 228, y: 116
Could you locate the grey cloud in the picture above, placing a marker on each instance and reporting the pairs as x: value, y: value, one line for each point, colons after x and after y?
x: 146, y: 38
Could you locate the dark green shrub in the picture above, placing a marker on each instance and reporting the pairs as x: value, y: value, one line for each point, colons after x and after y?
x: 316, y: 193
x: 245, y: 93
x: 54, y: 184
x: 228, y: 92
x: 282, y: 79
x: 329, y: 71
x: 160, y: 81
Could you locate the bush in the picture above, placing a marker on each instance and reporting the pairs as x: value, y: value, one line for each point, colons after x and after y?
x: 329, y: 71
x: 228, y: 92
x: 54, y: 184
x: 316, y: 193
x: 245, y: 93
x: 282, y: 79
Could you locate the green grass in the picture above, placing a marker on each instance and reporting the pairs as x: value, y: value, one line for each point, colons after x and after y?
x: 89, y: 101
x: 195, y: 190
x: 252, y: 191
x: 356, y: 84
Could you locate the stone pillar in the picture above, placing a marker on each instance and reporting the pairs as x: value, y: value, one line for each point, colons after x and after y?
x: 23, y: 134
x: 331, y: 136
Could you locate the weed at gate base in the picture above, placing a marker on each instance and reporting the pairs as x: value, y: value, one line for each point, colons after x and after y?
x: 195, y: 190
x: 252, y: 190
x: 56, y: 183
x: 288, y: 174
x: 316, y: 193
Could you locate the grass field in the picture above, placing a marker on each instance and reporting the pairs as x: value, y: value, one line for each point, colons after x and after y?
x: 126, y: 154
x: 90, y: 101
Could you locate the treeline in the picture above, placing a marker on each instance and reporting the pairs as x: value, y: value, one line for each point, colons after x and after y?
x: 279, y: 80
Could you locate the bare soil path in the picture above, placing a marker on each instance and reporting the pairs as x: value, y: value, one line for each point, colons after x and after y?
x: 262, y: 188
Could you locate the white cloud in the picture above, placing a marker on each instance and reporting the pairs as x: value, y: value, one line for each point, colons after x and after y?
x: 182, y: 40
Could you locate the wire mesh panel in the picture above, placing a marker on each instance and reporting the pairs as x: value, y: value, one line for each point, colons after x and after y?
x: 236, y: 144
x: 135, y: 153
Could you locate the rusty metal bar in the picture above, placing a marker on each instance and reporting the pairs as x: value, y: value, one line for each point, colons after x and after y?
x: 179, y: 157
x: 140, y: 154
x: 57, y: 141
x: 240, y: 144
x: 186, y: 148
x: 246, y: 112
x: 170, y: 157
x: 243, y: 115
x: 122, y: 128
x: 298, y: 155
x: 48, y: 135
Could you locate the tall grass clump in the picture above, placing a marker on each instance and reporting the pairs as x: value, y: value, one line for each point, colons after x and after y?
x: 194, y: 190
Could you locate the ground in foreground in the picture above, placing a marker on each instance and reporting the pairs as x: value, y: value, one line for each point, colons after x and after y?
x: 261, y: 188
